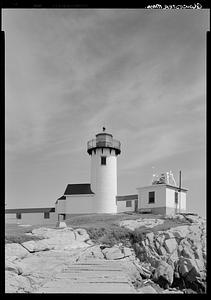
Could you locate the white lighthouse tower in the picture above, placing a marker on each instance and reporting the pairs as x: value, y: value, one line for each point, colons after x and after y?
x: 104, y: 150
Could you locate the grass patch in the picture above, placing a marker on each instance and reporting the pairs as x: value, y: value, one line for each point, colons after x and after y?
x: 110, y: 236
x: 116, y: 234
x: 21, y: 238
x: 17, y: 234
x: 101, y: 220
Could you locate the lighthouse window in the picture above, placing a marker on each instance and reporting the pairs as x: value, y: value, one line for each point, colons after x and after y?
x: 103, y: 160
x: 151, y: 197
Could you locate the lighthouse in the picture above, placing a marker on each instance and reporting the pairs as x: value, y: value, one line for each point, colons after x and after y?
x: 104, y: 151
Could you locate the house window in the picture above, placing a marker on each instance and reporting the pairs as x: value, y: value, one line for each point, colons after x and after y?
x: 46, y: 215
x: 103, y: 160
x: 18, y: 216
x: 151, y: 197
x: 128, y: 203
x: 176, y: 197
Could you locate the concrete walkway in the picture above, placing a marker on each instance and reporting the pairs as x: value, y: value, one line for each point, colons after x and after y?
x: 90, y: 276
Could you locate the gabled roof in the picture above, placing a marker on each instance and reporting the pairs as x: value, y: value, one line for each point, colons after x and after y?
x: 29, y: 210
x: 78, y: 189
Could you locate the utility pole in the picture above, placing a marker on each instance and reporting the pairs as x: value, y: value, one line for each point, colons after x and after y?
x: 180, y: 184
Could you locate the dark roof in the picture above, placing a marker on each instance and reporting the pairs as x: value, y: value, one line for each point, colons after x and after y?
x: 62, y: 198
x: 78, y: 189
x: 127, y: 197
x: 29, y: 210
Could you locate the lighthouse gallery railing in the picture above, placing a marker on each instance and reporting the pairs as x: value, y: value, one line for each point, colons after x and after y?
x: 110, y: 144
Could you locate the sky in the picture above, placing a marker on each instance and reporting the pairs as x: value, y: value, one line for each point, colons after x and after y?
x: 69, y: 72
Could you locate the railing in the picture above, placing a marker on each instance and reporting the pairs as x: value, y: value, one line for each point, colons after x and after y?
x: 110, y: 144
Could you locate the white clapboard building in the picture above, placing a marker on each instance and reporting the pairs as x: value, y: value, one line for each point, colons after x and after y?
x: 163, y: 196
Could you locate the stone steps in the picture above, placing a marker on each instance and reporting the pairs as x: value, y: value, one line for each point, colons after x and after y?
x: 90, y: 277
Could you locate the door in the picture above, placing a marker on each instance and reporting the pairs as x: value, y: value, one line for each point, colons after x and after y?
x: 136, y: 205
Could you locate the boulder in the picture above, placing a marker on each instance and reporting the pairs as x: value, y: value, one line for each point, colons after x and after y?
x: 179, y: 249
x: 131, y: 270
x: 185, y: 265
x: 90, y: 242
x: 43, y: 232
x: 148, y: 289
x: 184, y: 242
x: 204, y: 254
x: 152, y: 259
x: 172, y: 292
x: 193, y: 218
x: 180, y: 218
x: 174, y: 256
x: 170, y: 245
x: 35, y: 246
x: 146, y: 241
x: 162, y: 251
x: 133, y: 224
x: 130, y: 224
x: 144, y: 269
x: 93, y: 252
x: 16, y: 283
x: 15, y: 249
x: 127, y: 251
x: 188, y: 252
x: 60, y: 224
x: 60, y: 239
x: 157, y: 245
x: 150, y: 237
x: 113, y: 253
x: 11, y: 258
x: 198, y: 254
x: 71, y: 246
x: 160, y: 238
x: 97, y: 252
x: 164, y: 272
x: 168, y: 234
x: 200, y: 265
x: 195, y: 228
x: 10, y: 266
x: 81, y: 235
x: 195, y: 236
x: 180, y: 231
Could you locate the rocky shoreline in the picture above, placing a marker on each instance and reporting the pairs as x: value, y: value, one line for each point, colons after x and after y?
x: 163, y: 261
